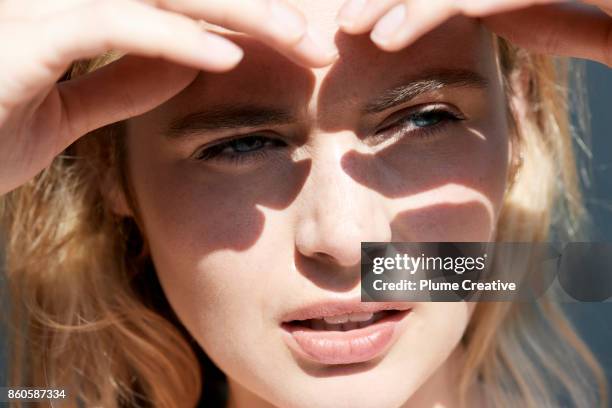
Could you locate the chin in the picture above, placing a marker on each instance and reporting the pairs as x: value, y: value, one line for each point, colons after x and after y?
x: 386, y: 383
x: 363, y: 390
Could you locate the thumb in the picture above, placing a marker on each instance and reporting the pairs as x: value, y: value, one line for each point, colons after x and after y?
x: 125, y: 88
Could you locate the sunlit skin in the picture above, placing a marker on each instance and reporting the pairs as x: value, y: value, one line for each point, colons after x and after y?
x: 237, y: 244
x: 242, y: 233
x: 42, y: 39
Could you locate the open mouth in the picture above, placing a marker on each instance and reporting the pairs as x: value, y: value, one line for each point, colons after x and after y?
x: 341, y: 337
x: 345, y: 322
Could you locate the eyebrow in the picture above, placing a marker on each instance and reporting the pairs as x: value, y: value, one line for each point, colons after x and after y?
x: 236, y: 116
x: 431, y: 81
x: 228, y: 117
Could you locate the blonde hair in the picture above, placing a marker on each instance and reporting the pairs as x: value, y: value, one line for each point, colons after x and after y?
x: 84, y: 317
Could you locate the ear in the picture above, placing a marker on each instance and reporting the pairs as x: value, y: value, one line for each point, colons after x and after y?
x: 114, y: 195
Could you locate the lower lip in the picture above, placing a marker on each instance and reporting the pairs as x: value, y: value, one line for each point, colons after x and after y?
x: 345, y: 347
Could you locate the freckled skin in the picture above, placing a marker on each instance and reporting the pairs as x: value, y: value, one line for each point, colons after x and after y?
x: 237, y: 246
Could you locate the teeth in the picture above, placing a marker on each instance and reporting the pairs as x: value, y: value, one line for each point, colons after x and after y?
x: 360, y: 317
x: 345, y: 322
x: 338, y: 319
x: 353, y: 317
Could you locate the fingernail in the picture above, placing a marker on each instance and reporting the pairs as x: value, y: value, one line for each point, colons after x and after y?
x: 316, y: 47
x: 290, y: 22
x: 224, y: 51
x: 350, y: 11
x: 389, y: 24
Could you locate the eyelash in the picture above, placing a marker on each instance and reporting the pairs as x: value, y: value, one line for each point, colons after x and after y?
x: 215, y: 152
x: 398, y: 129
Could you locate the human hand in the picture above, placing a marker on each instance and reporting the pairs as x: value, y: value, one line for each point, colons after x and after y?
x: 167, y: 47
x: 544, y: 26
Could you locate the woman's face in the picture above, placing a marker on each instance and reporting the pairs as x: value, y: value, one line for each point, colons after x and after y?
x: 257, y: 186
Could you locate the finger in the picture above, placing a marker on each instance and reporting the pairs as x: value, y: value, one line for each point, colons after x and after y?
x: 134, y: 27
x: 274, y: 22
x: 34, y: 9
x: 308, y: 51
x: 409, y: 20
x: 41, y: 53
x: 125, y: 88
x: 359, y: 16
x: 544, y: 29
x: 480, y: 8
x: 397, y: 23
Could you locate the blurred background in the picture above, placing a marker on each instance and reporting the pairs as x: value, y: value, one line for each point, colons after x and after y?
x: 593, y: 320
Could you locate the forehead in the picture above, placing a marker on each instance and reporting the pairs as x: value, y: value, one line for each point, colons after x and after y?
x: 361, y: 71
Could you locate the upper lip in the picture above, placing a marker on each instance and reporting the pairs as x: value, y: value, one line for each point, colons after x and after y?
x: 327, y: 308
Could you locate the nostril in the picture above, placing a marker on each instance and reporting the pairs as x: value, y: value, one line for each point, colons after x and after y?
x: 324, y: 257
x: 339, y: 261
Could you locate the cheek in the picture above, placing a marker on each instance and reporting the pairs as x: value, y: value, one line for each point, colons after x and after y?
x: 195, y: 211
x: 212, y: 238
x: 449, y: 187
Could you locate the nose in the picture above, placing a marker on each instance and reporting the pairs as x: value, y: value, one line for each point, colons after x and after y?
x: 336, y: 212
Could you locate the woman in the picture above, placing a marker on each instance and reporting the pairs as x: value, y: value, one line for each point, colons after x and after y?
x: 218, y: 215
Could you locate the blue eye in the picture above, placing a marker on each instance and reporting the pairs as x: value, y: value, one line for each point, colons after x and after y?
x: 423, y: 122
x: 431, y: 118
x: 242, y: 148
x: 246, y: 144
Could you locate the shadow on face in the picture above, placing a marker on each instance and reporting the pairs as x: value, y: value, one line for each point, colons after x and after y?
x: 257, y: 186
x: 271, y: 175
x: 329, y: 126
